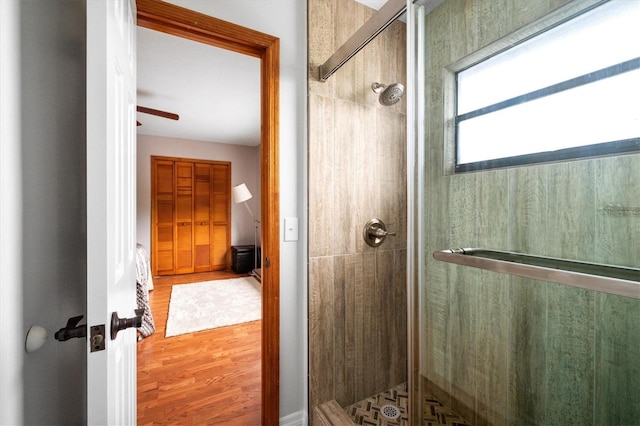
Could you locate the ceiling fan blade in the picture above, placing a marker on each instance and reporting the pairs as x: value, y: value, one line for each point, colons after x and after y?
x: 157, y: 112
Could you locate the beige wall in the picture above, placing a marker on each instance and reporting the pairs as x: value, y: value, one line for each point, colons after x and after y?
x: 509, y: 350
x: 357, y: 171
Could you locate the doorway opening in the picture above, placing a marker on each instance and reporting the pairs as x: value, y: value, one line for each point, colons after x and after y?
x: 175, y: 20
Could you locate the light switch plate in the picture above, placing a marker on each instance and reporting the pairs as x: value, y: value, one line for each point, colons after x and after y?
x: 291, y: 229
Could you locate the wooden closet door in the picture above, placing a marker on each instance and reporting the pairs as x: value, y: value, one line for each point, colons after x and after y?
x: 191, y: 225
x: 163, y: 217
x: 184, y: 217
x: 221, y: 214
x: 202, y: 216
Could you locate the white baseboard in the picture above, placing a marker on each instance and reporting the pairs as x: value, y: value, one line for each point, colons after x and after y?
x: 295, y: 419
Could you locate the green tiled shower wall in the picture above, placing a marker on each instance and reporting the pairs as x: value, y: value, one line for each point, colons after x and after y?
x: 509, y: 350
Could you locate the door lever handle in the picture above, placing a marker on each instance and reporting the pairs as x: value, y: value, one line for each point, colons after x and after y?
x: 72, y: 330
x: 118, y: 324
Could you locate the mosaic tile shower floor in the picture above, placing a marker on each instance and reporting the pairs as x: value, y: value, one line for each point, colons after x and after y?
x: 367, y: 412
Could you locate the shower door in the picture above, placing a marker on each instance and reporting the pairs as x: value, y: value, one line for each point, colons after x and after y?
x: 498, y: 348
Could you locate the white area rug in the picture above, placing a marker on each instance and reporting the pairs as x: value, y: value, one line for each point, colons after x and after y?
x: 212, y: 304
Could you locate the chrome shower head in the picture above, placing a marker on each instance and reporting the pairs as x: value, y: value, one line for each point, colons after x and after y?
x: 389, y: 95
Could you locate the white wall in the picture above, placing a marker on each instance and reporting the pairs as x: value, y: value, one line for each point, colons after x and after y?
x: 245, y: 167
x: 43, y: 213
x: 11, y: 352
x: 285, y: 19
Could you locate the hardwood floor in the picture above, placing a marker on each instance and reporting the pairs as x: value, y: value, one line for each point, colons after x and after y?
x: 209, y: 377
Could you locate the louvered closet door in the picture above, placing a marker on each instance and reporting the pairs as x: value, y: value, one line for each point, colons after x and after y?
x: 221, y: 213
x: 202, y: 214
x: 191, y: 227
x: 163, y: 217
x: 184, y: 217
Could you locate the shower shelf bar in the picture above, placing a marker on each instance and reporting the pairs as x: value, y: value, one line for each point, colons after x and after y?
x: 618, y: 280
x: 387, y: 14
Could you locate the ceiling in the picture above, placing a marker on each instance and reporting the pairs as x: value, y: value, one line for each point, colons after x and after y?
x: 215, y: 92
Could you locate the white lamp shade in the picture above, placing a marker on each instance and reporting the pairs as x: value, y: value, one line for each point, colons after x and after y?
x: 240, y: 193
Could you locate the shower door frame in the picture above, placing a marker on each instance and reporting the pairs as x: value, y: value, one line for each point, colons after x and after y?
x: 415, y: 205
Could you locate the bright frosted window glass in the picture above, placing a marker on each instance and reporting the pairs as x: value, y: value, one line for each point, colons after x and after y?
x: 586, y: 115
x: 601, y: 111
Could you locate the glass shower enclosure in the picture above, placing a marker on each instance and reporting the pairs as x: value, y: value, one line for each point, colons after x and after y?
x: 501, y: 347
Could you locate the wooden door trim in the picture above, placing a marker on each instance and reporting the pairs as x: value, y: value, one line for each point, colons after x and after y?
x: 178, y: 21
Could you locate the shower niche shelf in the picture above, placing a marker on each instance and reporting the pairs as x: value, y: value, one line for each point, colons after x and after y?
x: 618, y: 280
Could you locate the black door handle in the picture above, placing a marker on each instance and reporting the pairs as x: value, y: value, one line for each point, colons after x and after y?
x: 72, y: 330
x: 118, y: 324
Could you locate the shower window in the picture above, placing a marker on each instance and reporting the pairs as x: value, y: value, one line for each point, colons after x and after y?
x: 568, y: 92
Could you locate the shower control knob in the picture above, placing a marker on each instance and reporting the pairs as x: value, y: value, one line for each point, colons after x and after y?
x: 374, y: 232
x: 379, y: 232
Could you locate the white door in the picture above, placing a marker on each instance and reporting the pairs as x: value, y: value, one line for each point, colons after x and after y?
x: 111, y: 98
